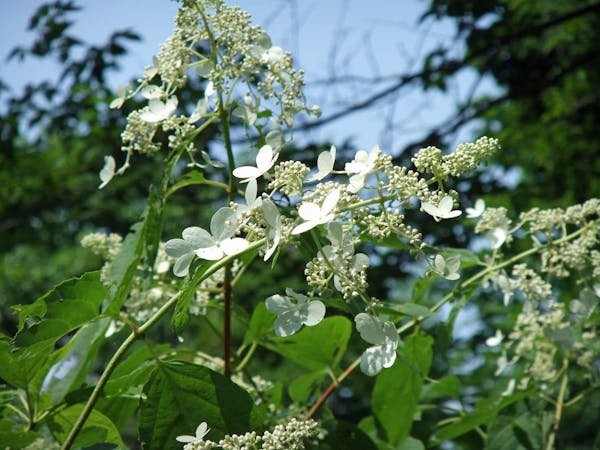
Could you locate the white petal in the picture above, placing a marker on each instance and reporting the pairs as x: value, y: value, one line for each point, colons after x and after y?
x: 185, y: 438
x: 202, y: 430
x: 445, y: 205
x: 315, y: 313
x: 391, y: 334
x: 247, y: 172
x: 288, y: 323
x: 234, y: 246
x: 223, y: 223
x: 309, y: 211
x: 330, y: 202
x: 439, y: 263
x: 357, y: 182
x: 177, y: 247
x: 452, y: 214
x: 452, y: 264
x: 151, y: 91
x: 278, y: 304
x: 431, y: 209
x: 495, y: 340
x: 197, y: 237
x: 251, y: 190
x: 299, y: 229
x: 108, y: 171
x: 370, y: 328
x: 497, y: 237
x: 210, y: 89
x: 371, y: 361
x: 210, y: 253
x: 182, y: 265
x: 264, y: 158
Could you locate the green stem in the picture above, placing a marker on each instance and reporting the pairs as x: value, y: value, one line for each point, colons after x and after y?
x: 136, y: 334
x: 247, y: 357
x: 559, y: 406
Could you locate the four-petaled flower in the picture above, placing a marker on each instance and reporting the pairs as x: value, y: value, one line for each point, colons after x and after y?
x: 201, y: 431
x: 158, y: 110
x: 314, y: 215
x: 477, y: 210
x: 291, y: 316
x: 211, y: 246
x: 447, y: 268
x: 325, y: 163
x: 443, y: 210
x: 385, y: 339
x: 363, y: 164
x: 264, y: 161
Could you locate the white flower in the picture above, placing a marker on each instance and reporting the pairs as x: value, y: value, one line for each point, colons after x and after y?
x: 199, y: 111
x: 447, y: 268
x: 272, y: 55
x: 201, y: 431
x: 383, y: 353
x: 264, y: 161
x: 108, y: 171
x: 443, y: 210
x: 510, y: 388
x: 184, y: 249
x: 291, y: 316
x: 158, y: 110
x: 325, y: 163
x: 219, y: 242
x: 314, y: 215
x: 473, y: 213
x: 363, y: 164
x: 121, y: 97
x: 497, y: 237
x: 273, y: 219
x: 495, y: 340
x: 152, y: 91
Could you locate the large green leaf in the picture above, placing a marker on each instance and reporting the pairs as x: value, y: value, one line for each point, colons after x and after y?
x: 261, y: 324
x: 316, y: 347
x: 67, y: 368
x: 344, y: 435
x: 15, y: 439
x: 181, y: 395
x: 397, y: 389
x: 97, y: 429
x: 133, y: 372
x: 61, y: 311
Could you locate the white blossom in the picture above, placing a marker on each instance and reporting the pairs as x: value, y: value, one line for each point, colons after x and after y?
x: 219, y: 242
x: 314, y: 215
x: 273, y: 219
x: 447, y: 268
x: 361, y: 166
x: 443, y: 210
x: 264, y: 161
x: 495, y: 340
x: 385, y: 339
x: 201, y: 431
x: 158, y: 110
x: 497, y: 237
x: 184, y: 249
x: 477, y: 210
x: 291, y: 316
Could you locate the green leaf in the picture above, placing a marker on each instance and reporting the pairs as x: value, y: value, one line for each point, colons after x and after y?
x: 411, y: 443
x: 316, y: 347
x: 397, y: 389
x: 67, y: 368
x: 344, y: 435
x: 190, y: 179
x: 134, y: 371
x: 302, y: 387
x: 483, y: 414
x: 421, y: 288
x: 501, y: 435
x: 414, y: 310
x: 181, y: 395
x: 467, y: 257
x: 261, y: 324
x: 448, y: 386
x: 60, y: 311
x: 97, y: 429
x: 11, y: 371
x: 181, y: 313
x: 15, y: 439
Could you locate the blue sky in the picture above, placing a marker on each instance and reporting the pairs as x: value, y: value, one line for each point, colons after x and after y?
x: 328, y: 38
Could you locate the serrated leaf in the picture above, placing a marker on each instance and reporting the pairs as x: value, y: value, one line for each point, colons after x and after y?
x: 397, y: 389
x: 181, y: 312
x: 315, y: 347
x: 65, y: 308
x: 181, y: 395
x: 97, y: 428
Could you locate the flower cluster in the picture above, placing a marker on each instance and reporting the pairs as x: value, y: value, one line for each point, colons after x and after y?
x: 292, y: 435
